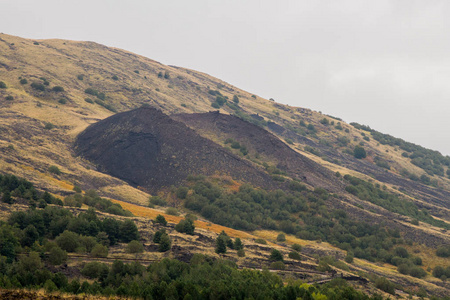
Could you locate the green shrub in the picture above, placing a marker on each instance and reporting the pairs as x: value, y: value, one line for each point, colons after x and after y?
x: 38, y: 86
x: 261, y: 241
x: 417, y: 272
x: 68, y: 241
x: 401, y: 252
x: 164, y: 243
x: 221, y: 244
x: 297, y: 247
x: 241, y: 253
x: 161, y: 220
x: 443, y: 251
x: 23, y: 81
x: 94, y: 270
x: 172, y: 211
x: 2, y: 85
x: 135, y: 247
x: 91, y: 91
x: 236, y: 99
x: 157, y: 235
x: 80, y: 77
x: 58, y: 89
x: 156, y: 200
x: 294, y: 255
x: 349, y: 257
x: 49, y: 126
x: 9, y: 98
x: 185, y: 226
x: 57, y: 256
x: 89, y: 100
x: 99, y: 251
x: 325, y: 121
x: 276, y: 255
x: 114, y: 77
x: 54, y: 170
x: 359, y: 152
x: 238, y: 244
x: 277, y: 265
x: 281, y: 237
x: 385, y: 285
x: 62, y: 101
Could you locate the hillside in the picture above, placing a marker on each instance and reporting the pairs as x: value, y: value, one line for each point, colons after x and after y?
x: 79, y: 114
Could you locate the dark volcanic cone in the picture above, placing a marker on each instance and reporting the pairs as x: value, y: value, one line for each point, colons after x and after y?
x: 149, y: 149
x: 264, y: 143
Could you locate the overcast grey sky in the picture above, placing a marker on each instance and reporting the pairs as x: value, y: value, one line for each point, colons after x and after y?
x: 381, y: 63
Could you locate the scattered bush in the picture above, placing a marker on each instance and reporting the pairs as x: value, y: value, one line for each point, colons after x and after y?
x: 221, y: 244
x: 325, y: 121
x: 62, y: 101
x: 185, y: 226
x: 54, y: 170
x: 297, y: 247
x: 164, y: 243
x: 294, y: 255
x: 157, y: 235
x: 58, y: 89
x: 9, y: 98
x: 23, y: 81
x: 2, y: 85
x: 281, y: 237
x: 156, y: 200
x: 57, y: 256
x: 80, y: 77
x: 238, y: 244
x: 49, y: 126
x: 135, y: 247
x: 161, y: 220
x: 385, y: 285
x: 94, y: 270
x: 114, y: 77
x: 276, y: 255
x: 89, y: 100
x: 277, y: 265
x: 99, y: 251
x: 38, y: 86
x: 172, y: 211
x: 359, y: 152
x: 443, y: 251
x: 241, y: 253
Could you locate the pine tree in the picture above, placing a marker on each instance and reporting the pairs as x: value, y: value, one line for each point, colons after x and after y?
x: 221, y: 245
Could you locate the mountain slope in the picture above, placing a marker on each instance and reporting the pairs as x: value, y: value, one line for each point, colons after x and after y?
x: 55, y: 89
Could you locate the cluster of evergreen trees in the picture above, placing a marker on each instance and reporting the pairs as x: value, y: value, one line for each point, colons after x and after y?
x: 300, y: 212
x: 202, y: 278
